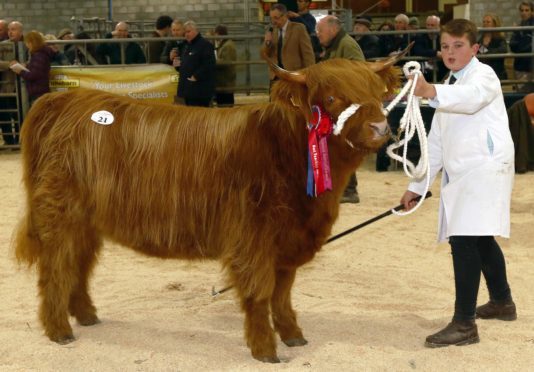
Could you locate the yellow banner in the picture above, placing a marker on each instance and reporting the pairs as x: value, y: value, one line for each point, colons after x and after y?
x: 155, y: 82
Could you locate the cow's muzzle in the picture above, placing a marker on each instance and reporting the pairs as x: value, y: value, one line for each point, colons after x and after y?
x: 381, y: 129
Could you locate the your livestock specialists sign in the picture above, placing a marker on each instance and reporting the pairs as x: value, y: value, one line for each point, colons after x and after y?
x: 155, y: 82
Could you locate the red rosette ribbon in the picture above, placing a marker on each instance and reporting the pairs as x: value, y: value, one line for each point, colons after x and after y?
x: 318, y: 161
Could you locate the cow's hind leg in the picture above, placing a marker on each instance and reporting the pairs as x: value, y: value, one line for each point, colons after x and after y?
x: 284, y: 317
x: 56, y: 280
x: 80, y: 304
x: 62, y: 236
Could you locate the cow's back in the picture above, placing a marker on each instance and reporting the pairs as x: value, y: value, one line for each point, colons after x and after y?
x: 166, y: 180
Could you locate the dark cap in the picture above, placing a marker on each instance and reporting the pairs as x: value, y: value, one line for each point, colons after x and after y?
x: 64, y: 33
x: 363, y: 21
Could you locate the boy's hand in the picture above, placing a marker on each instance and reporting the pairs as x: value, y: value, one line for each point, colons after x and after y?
x: 423, y: 88
x: 408, y: 200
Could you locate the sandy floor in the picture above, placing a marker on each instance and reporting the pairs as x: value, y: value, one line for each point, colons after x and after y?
x: 366, y: 302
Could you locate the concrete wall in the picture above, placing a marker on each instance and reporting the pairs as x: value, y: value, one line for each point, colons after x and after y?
x: 50, y: 16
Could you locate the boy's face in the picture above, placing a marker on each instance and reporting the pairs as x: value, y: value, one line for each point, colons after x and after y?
x: 457, y: 51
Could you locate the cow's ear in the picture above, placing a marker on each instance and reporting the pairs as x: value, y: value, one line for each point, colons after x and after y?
x: 391, y: 76
x: 300, y: 99
x: 293, y: 94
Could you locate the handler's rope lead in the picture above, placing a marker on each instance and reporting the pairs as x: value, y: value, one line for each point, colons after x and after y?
x: 411, y: 122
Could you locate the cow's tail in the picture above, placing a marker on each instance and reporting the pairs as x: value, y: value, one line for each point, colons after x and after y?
x: 27, y: 245
x: 36, y: 125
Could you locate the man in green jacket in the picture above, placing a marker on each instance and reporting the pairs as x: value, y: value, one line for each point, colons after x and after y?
x: 338, y: 44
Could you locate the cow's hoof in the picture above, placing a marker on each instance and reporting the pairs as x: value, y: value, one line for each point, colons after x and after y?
x: 64, y: 340
x: 295, y: 342
x: 88, y: 321
x: 268, y: 359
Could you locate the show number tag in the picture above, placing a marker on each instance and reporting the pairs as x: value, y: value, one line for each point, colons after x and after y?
x: 102, y: 117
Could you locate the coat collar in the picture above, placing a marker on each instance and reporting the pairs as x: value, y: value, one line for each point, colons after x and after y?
x: 334, y: 44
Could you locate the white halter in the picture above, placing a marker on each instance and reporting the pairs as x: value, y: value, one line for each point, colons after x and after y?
x: 343, y: 117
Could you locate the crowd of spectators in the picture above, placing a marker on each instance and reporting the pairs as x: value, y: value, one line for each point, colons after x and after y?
x: 372, y: 46
x: 427, y: 44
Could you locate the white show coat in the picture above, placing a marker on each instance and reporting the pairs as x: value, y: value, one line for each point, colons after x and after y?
x: 470, y: 140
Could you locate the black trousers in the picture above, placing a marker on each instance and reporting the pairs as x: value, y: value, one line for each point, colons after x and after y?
x: 202, y: 102
x: 224, y: 99
x: 352, y: 185
x: 472, y: 255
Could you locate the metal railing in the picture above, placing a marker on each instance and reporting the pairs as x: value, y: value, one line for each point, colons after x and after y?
x: 252, y: 73
x: 14, y: 102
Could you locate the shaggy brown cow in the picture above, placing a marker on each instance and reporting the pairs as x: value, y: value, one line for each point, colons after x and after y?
x: 192, y: 183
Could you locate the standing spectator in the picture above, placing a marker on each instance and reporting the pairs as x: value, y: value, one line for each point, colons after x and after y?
x: 174, y: 48
x: 82, y: 54
x: 521, y: 119
x: 521, y: 42
x: 339, y: 44
x: 470, y: 143
x: 288, y: 45
x: 304, y: 16
x: 65, y: 34
x: 290, y: 5
x: 163, y: 29
x: 110, y: 53
x: 59, y: 59
x: 225, y: 75
x: 427, y: 45
x: 9, y: 51
x: 370, y: 44
x: 493, y: 42
x: 386, y: 41
x: 197, y: 68
x: 38, y: 68
x: 413, y: 23
x: 3, y: 30
x: 400, y: 41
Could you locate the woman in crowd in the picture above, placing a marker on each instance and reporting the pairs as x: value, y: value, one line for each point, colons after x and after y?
x: 60, y: 59
x: 225, y: 73
x: 493, y: 42
x: 36, y: 72
x: 387, y: 42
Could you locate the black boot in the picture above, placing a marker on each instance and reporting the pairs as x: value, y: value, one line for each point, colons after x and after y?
x: 502, y: 310
x: 350, y: 195
x: 457, y: 332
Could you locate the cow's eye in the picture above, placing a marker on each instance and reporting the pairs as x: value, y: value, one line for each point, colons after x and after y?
x: 330, y: 99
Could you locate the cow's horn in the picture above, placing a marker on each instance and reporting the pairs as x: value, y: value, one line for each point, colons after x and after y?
x: 296, y: 77
x: 293, y: 76
x: 382, y: 64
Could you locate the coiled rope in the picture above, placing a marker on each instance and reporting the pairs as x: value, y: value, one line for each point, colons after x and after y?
x: 411, y: 122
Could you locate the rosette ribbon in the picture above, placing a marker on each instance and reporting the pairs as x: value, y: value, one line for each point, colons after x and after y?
x: 319, y: 178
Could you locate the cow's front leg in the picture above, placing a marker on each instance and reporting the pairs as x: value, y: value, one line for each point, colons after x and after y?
x: 284, y: 317
x: 254, y: 280
x: 258, y: 331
